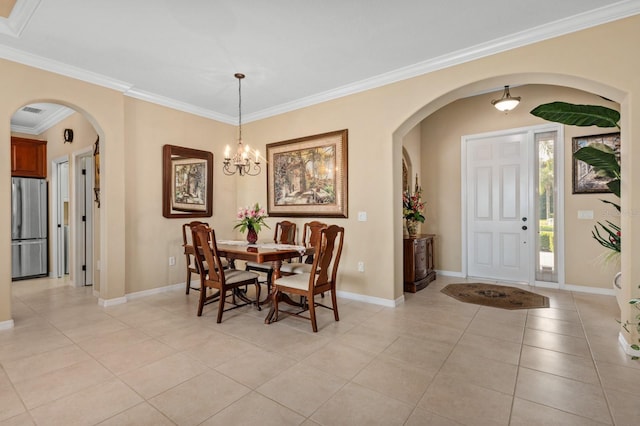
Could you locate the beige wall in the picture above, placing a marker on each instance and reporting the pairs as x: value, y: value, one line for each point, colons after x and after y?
x: 152, y: 238
x: 6, y: 6
x: 441, y: 162
x: 131, y: 223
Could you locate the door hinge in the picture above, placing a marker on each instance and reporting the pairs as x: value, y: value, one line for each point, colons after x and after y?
x: 84, y: 171
x: 84, y: 267
x: 84, y: 218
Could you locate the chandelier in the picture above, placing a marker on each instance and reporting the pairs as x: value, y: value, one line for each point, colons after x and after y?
x: 506, y: 102
x: 241, y: 162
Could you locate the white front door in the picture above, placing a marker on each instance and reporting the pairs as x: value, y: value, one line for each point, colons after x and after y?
x: 498, y: 214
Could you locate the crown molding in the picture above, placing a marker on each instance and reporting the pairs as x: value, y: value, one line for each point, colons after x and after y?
x: 180, y: 106
x: 20, y: 15
x: 61, y: 68
x: 558, y: 28
x: 564, y: 26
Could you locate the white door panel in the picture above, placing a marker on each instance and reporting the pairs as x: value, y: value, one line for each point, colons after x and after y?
x: 497, y: 185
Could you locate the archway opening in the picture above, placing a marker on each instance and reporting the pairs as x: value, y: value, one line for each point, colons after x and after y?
x: 463, y: 105
x: 68, y: 173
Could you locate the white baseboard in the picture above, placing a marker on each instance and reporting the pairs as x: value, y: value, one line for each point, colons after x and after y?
x: 195, y: 283
x: 370, y: 299
x: 626, y: 346
x: 544, y: 284
x: 6, y: 325
x: 111, y: 302
x: 158, y: 290
x: 449, y: 274
x: 590, y: 290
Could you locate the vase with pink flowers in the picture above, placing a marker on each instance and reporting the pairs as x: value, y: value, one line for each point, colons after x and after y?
x: 251, y: 219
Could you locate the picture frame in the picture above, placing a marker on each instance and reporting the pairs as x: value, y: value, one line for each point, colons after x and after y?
x: 585, y: 179
x: 187, y: 182
x: 308, y: 176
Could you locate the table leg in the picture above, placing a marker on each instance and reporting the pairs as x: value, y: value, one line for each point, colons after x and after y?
x: 272, y: 316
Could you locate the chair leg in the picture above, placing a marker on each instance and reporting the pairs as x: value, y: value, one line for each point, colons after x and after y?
x: 223, y: 296
x: 334, y: 303
x: 312, y: 312
x: 203, y: 297
x: 188, y: 281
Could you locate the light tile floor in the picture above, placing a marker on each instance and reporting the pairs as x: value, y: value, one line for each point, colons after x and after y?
x: 431, y: 361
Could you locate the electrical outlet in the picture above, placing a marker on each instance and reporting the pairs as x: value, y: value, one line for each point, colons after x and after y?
x: 362, y: 216
x: 172, y: 260
x: 360, y: 266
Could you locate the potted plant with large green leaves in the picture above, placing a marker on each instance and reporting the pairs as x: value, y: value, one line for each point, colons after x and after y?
x: 602, y: 160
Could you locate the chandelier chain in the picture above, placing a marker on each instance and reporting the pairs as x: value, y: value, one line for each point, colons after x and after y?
x: 240, y: 107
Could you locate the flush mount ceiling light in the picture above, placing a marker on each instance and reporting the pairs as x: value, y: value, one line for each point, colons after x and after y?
x: 506, y: 102
x: 241, y: 161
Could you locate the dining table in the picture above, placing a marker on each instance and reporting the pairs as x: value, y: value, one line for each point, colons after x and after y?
x: 234, y: 250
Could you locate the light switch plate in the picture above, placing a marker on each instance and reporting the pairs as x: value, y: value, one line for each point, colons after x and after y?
x: 362, y: 216
x: 585, y: 214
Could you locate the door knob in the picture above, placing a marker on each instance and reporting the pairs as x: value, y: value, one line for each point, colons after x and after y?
x: 524, y: 219
x: 524, y: 227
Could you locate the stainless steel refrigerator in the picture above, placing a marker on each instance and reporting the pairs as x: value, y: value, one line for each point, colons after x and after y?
x: 29, y: 246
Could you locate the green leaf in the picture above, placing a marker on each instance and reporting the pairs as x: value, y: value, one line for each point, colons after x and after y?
x: 635, y: 347
x: 616, y: 205
x: 599, y: 160
x: 578, y: 115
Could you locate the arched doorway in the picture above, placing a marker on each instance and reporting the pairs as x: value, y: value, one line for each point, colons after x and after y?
x: 463, y: 93
x: 73, y: 215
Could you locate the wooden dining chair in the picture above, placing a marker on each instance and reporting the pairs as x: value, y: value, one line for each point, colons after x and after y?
x: 310, y: 236
x: 217, y: 277
x: 187, y: 244
x: 284, y: 233
x: 320, y: 279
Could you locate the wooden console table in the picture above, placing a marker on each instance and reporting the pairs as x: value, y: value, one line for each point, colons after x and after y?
x: 419, y: 269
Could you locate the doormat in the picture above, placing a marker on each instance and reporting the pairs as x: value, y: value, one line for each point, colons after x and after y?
x: 497, y: 296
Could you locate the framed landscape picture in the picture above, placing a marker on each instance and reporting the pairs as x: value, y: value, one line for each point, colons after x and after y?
x: 585, y: 179
x: 187, y: 182
x: 307, y: 176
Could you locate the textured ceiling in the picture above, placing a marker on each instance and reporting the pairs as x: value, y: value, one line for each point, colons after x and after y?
x: 295, y: 53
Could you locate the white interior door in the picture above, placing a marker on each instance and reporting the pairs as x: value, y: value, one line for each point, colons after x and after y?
x: 60, y: 217
x: 84, y: 220
x: 498, y: 214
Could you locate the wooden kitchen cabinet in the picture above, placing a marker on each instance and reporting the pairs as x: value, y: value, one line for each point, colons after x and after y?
x: 28, y: 158
x: 419, y: 269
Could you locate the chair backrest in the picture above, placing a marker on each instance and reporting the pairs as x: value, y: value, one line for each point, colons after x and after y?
x: 311, y: 235
x: 328, y: 249
x: 285, y: 233
x: 205, y: 249
x: 187, y: 240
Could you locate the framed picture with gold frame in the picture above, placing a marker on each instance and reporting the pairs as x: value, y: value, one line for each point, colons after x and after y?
x: 187, y: 182
x: 307, y: 176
